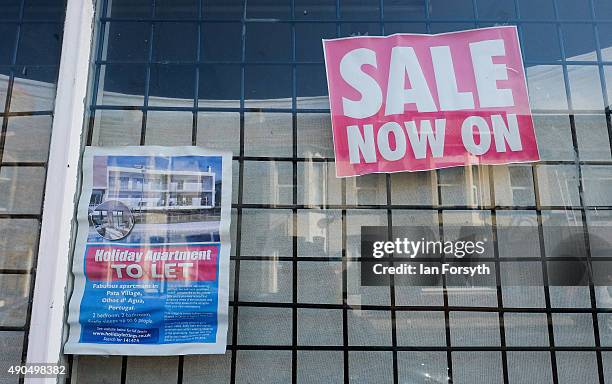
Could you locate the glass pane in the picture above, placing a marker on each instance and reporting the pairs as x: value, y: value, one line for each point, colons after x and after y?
x: 174, y: 9
x: 319, y: 326
x: 554, y: 137
x: 269, y: 182
x: 477, y: 367
x: 27, y: 139
x: 319, y: 282
x: 540, y: 42
x: 366, y: 190
x: 370, y: 367
x: 169, y: 128
x: 34, y: 89
x: 272, y: 367
x: 150, y: 369
x: 21, y: 189
x: 465, y: 186
x: 414, y: 366
x: 526, y: 329
x: 268, y: 86
x: 266, y: 280
x: 167, y: 47
x: 317, y: 233
x: 558, y: 185
x: 117, y: 128
x: 474, y: 329
x: 172, y: 85
x: 11, y: 344
x: 14, y: 294
x: 268, y: 134
x: 39, y: 43
x: 18, y: 243
x: 320, y: 366
x: 8, y: 37
x: 98, y: 369
x: 268, y: 42
x: 573, y: 329
x: 592, y: 137
x: 513, y: 185
x: 315, y: 9
x: 122, y: 84
x: 266, y: 232
x: 577, y: 367
x: 529, y: 367
x: 419, y: 188
x: 314, y: 135
x: 422, y: 328
x: 264, y: 326
x: 219, y: 86
x: 128, y: 41
x: 546, y: 87
x: 219, y: 130
x: 221, y: 41
x: 198, y: 368
x: 444, y: 9
x: 597, y: 183
x: 585, y: 87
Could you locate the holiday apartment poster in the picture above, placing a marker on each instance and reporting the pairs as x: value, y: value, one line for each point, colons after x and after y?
x: 151, y: 261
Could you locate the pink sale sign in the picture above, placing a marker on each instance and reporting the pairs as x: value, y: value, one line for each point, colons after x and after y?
x: 410, y: 102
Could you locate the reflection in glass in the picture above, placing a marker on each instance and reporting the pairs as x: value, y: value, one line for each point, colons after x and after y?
x: 219, y: 86
x: 21, y: 189
x: 112, y: 219
x: 317, y: 233
x: 18, y: 243
x: 268, y: 86
x: 558, y: 185
x: 546, y: 87
x: 127, y: 41
x: 117, y: 128
x: 268, y: 182
x: 592, y: 137
x: 585, y: 86
x: 268, y: 134
x: 172, y: 85
x: 314, y: 135
x: 318, y: 184
x: 14, y: 292
x: 19, y: 144
x: 165, y: 128
x: 466, y: 186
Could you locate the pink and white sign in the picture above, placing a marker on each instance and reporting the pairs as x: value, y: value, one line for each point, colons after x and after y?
x: 410, y: 102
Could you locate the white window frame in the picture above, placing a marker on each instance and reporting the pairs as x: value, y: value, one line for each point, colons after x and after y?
x: 51, y: 289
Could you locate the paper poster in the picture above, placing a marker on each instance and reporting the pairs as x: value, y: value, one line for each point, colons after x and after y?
x: 409, y: 102
x: 151, y: 259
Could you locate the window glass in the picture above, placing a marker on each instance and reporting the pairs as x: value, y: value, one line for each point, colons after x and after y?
x: 8, y: 34
x: 20, y: 147
x: 268, y: 134
x: 128, y: 41
x: 315, y: 9
x: 360, y: 9
x: 541, y: 42
x: 496, y: 9
x: 402, y: 10
x: 249, y: 77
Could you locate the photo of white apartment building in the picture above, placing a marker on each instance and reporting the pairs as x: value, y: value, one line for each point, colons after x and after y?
x: 144, y: 189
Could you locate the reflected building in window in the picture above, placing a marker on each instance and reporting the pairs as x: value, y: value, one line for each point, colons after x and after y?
x: 143, y: 189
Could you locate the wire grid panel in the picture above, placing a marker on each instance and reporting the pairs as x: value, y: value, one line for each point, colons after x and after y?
x: 248, y: 76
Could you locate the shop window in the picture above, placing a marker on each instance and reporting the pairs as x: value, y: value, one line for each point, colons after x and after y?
x: 256, y: 85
